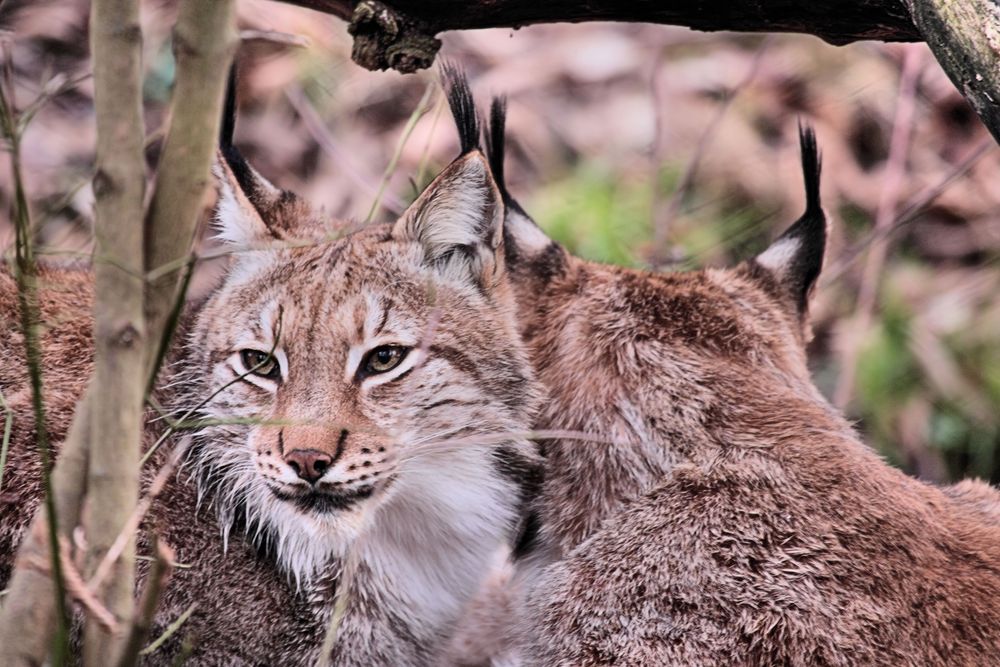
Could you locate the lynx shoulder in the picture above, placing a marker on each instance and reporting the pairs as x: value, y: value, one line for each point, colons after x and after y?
x: 352, y: 392
x: 733, y: 516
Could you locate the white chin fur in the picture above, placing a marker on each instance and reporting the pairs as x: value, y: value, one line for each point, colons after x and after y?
x: 429, y: 538
x: 303, y: 543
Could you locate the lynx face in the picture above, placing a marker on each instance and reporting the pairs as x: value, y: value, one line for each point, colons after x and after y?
x: 338, y: 366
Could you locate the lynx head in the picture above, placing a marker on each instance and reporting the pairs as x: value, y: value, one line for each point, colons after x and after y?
x: 366, y: 379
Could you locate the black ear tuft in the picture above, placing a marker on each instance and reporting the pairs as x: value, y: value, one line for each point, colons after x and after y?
x: 796, y: 257
x: 241, y: 170
x: 811, y: 167
x: 495, y: 143
x: 463, y: 106
x: 496, y: 147
x: 228, y: 127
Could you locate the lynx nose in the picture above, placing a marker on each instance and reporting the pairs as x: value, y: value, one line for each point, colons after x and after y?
x: 308, y: 464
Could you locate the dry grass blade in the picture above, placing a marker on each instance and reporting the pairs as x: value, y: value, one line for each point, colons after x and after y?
x: 418, y: 113
x: 8, y: 423
x: 170, y: 631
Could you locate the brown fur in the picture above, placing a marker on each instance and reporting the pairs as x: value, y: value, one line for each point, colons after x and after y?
x: 732, y: 517
x: 422, y: 516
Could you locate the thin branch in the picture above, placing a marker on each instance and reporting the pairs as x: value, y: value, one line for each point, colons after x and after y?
x: 910, y: 213
x: 83, y: 594
x: 664, y: 216
x: 204, y: 40
x: 27, y: 292
x: 895, y: 170
x: 156, y: 582
x: 130, y: 528
x: 322, y: 136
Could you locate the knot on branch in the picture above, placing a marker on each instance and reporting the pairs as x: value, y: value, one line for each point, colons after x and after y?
x: 386, y: 38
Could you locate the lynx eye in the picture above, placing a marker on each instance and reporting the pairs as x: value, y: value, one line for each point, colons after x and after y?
x: 261, y: 364
x: 383, y: 359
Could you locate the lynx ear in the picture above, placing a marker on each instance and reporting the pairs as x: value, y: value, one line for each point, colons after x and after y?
x: 243, y: 196
x: 251, y: 210
x: 796, y: 257
x: 458, y: 220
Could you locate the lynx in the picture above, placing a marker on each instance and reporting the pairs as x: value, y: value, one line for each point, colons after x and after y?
x: 358, y: 391
x: 733, y: 517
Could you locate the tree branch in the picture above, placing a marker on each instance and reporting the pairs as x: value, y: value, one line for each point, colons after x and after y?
x: 964, y: 36
x: 207, y: 34
x: 205, y: 39
x: 119, y: 330
x: 401, y: 33
x: 156, y: 582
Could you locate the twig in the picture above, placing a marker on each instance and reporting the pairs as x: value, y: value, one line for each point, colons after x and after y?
x: 171, y: 629
x: 83, y: 594
x: 910, y: 213
x: 664, y: 216
x: 895, y: 170
x: 156, y: 582
x: 27, y: 276
x: 317, y: 130
x: 415, y: 117
x: 97, y: 580
x: 275, y: 37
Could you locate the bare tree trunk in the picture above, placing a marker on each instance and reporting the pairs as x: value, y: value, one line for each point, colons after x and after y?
x: 119, y: 329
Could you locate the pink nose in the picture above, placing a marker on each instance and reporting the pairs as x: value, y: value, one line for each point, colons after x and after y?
x: 308, y: 464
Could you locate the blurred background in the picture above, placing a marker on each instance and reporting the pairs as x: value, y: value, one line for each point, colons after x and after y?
x: 645, y: 146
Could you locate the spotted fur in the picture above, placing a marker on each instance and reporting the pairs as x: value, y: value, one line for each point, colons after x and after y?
x: 426, y: 469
